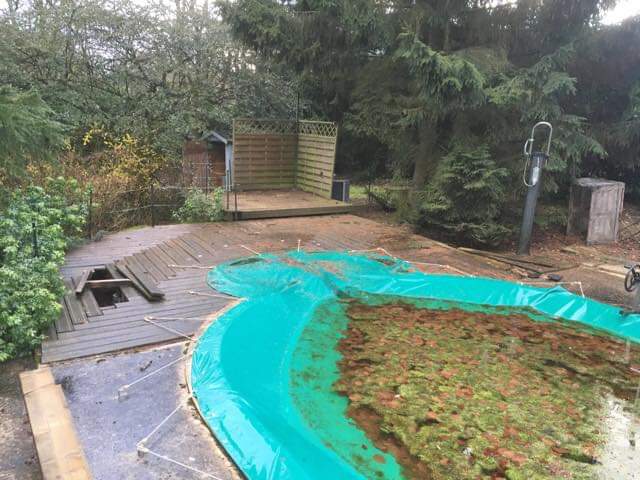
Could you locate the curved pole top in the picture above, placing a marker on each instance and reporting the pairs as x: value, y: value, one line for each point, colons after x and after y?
x: 528, y: 146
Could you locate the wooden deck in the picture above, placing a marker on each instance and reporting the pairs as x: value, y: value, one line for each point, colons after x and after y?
x: 164, y: 252
x: 279, y: 204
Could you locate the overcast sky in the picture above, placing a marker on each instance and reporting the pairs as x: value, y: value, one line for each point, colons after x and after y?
x: 624, y: 9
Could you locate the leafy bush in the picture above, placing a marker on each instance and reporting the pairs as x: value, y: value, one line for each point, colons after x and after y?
x: 466, y: 196
x: 121, y: 170
x: 552, y: 217
x: 200, y: 207
x: 30, y: 284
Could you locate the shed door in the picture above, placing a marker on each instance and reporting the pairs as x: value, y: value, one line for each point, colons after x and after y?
x: 606, y: 206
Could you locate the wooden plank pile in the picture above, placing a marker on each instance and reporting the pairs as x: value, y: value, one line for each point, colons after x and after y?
x: 535, y: 266
x: 140, y: 278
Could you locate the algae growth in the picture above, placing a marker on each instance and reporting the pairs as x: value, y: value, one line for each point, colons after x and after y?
x: 460, y: 393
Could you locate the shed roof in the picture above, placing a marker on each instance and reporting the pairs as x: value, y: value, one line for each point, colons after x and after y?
x: 215, y: 137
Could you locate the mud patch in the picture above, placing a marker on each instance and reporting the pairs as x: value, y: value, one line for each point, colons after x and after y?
x: 466, y: 394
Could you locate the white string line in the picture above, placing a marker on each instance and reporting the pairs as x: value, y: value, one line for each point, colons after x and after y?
x: 389, y: 254
x: 168, y: 319
x: 176, y: 462
x: 142, y: 448
x: 207, y: 294
x: 201, y: 267
x: 299, y: 244
x: 142, y: 442
x: 385, y: 251
x: 449, y: 267
x: 169, y: 329
x: 551, y: 282
x: 172, y: 362
x: 251, y: 250
x: 378, y: 249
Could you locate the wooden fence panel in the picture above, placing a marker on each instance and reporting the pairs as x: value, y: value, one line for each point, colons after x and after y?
x: 264, y: 154
x: 280, y: 154
x: 316, y: 157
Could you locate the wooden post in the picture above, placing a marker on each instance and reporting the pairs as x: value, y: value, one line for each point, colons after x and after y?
x: 235, y: 196
x: 206, y: 174
x: 152, y: 205
x: 228, y: 187
x: 89, y: 208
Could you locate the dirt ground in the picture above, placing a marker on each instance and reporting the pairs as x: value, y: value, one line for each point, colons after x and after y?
x: 599, y: 269
x: 18, y: 459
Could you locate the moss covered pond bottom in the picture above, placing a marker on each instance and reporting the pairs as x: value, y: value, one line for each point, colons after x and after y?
x: 455, y: 393
x: 358, y: 366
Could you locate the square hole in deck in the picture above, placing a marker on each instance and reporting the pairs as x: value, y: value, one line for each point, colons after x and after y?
x: 107, y: 295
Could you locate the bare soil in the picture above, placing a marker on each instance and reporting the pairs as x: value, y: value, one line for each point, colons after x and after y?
x: 18, y: 460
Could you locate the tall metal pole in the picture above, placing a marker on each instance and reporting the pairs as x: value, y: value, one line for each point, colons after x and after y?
x: 533, y: 191
x: 533, y: 182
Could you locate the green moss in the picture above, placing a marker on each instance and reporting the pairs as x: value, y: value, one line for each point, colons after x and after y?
x: 481, y: 394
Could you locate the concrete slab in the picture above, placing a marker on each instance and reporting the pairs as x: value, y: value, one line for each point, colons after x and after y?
x: 109, y: 429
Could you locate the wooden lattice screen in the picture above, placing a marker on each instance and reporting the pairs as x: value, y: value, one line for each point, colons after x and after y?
x: 316, y: 156
x: 280, y: 154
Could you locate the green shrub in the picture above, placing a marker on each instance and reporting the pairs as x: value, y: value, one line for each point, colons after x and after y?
x: 200, y: 207
x: 552, y: 217
x: 30, y: 283
x: 466, y: 196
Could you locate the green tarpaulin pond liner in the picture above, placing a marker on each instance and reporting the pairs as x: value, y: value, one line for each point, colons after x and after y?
x: 248, y: 366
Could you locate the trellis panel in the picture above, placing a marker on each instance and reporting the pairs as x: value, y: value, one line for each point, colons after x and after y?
x: 280, y: 154
x: 264, y: 154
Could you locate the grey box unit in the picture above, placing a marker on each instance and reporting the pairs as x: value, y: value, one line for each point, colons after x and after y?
x: 594, y: 209
x: 340, y: 189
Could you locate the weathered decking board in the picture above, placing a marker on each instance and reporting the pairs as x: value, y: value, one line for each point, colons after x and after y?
x: 155, y: 249
x: 282, y: 203
x: 59, y: 451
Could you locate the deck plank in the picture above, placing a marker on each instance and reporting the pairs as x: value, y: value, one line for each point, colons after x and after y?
x: 90, y: 304
x: 154, y: 249
x: 160, y: 263
x: 143, y: 261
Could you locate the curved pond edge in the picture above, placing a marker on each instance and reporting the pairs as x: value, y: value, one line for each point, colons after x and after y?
x: 240, y: 373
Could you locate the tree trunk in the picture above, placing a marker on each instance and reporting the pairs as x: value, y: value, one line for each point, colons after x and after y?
x: 425, y: 161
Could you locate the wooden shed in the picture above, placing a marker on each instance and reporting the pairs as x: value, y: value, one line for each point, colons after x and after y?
x: 206, y: 161
x: 282, y: 168
x: 595, y: 207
